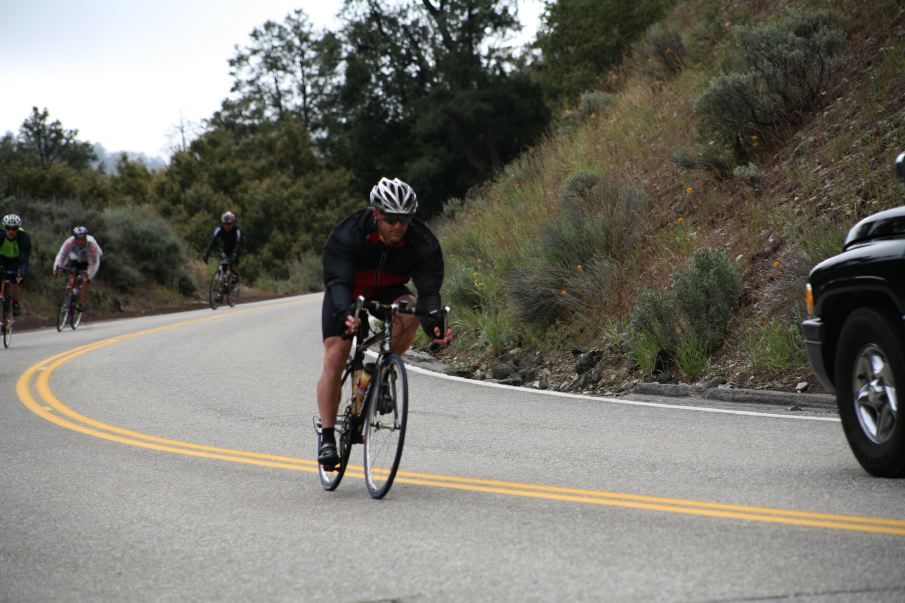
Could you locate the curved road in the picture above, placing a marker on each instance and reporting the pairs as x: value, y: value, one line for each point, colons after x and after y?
x: 171, y: 458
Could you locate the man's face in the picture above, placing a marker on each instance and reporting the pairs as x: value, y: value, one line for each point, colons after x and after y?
x: 392, y: 227
x: 12, y: 232
x: 81, y: 241
x: 228, y: 226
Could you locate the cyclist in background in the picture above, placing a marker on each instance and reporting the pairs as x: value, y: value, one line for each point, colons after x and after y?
x: 232, y: 239
x: 82, y: 253
x: 14, y: 250
x: 375, y: 252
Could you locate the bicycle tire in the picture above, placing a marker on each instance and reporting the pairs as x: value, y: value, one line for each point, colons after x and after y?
x: 76, y: 318
x: 330, y: 479
x: 385, y: 422
x: 63, y: 316
x: 6, y: 322
x: 232, y: 295
x: 216, y: 284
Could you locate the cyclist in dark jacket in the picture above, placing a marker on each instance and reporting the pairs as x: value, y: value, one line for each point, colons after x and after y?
x: 15, y: 247
x: 374, y: 253
x: 232, y: 239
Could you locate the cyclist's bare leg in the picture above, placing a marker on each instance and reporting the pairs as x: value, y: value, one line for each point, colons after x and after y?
x: 329, y: 386
x: 83, y: 295
x: 405, y: 328
x: 14, y: 291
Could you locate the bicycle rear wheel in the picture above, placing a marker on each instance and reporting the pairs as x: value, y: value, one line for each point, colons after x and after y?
x: 6, y: 322
x: 214, y: 296
x: 385, y: 422
x: 330, y: 479
x: 63, y: 316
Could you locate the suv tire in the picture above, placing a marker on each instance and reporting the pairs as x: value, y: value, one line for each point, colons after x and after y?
x: 870, y: 364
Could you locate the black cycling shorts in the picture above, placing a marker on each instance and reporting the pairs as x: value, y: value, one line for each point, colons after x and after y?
x: 333, y: 326
x: 76, y: 265
x: 8, y: 265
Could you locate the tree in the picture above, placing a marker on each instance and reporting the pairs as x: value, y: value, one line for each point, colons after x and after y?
x: 580, y: 39
x: 286, y: 72
x: 51, y: 144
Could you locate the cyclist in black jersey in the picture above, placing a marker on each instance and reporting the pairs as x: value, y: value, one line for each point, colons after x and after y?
x: 374, y: 253
x: 231, y: 237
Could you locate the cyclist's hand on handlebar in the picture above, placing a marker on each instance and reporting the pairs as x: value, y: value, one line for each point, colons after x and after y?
x: 442, y: 341
x: 352, y: 324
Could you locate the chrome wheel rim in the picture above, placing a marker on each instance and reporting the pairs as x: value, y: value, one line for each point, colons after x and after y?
x: 874, y: 394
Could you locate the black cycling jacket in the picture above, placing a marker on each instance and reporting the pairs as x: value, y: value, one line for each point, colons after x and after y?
x: 357, y: 262
x: 233, y: 241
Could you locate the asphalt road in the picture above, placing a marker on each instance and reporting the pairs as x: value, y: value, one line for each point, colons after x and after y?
x: 172, y: 458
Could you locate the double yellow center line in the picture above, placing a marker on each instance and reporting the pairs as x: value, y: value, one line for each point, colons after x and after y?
x: 33, y: 389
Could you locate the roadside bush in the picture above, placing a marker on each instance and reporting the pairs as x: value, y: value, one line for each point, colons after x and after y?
x: 790, y: 65
x: 598, y: 227
x: 667, y: 48
x: 142, y: 245
x: 594, y: 103
x: 689, y: 321
x: 709, y: 160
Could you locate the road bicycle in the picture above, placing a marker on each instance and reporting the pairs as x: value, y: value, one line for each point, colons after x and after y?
x: 376, y: 411
x: 6, y: 307
x: 224, y: 284
x: 69, y: 308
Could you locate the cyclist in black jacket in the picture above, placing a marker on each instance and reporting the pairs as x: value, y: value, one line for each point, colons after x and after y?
x: 374, y: 253
x: 232, y: 239
x: 15, y: 247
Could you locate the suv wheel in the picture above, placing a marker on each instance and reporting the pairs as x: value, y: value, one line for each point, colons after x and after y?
x: 869, y: 365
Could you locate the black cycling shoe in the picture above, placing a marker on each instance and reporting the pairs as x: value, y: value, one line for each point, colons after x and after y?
x: 327, y: 456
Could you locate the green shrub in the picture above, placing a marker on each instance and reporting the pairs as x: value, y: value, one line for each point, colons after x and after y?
x: 790, y: 65
x: 710, y: 161
x: 689, y: 321
x: 598, y: 227
x: 594, y: 102
x: 645, y: 350
x: 707, y: 293
x: 775, y: 348
x: 667, y: 48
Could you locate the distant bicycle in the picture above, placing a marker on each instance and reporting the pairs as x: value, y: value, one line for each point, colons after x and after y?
x: 6, y: 307
x: 69, y: 308
x: 377, y: 408
x: 224, y: 284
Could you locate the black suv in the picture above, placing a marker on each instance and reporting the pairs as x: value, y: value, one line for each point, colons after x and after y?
x: 856, y: 340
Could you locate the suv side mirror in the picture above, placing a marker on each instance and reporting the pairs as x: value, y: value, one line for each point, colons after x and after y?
x: 900, y: 167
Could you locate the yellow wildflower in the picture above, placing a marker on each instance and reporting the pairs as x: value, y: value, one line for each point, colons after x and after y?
x: 579, y: 267
x: 564, y: 293
x: 777, y: 264
x: 689, y: 190
x: 681, y: 219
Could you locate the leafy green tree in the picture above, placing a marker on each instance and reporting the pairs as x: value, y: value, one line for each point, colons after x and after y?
x: 50, y: 143
x: 287, y: 71
x: 581, y: 39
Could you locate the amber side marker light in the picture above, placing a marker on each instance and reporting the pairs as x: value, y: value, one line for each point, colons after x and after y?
x: 809, y: 298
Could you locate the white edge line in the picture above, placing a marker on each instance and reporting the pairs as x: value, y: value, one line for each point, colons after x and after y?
x: 543, y: 392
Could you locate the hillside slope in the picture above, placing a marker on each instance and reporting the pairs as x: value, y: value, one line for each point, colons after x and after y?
x: 774, y: 216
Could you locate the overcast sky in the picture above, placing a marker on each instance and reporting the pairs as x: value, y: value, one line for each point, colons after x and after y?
x: 124, y: 73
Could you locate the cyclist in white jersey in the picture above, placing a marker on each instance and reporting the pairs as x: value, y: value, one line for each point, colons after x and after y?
x: 80, y: 252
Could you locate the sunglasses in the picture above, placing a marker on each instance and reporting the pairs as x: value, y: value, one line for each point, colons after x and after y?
x: 13, y: 228
x: 394, y: 218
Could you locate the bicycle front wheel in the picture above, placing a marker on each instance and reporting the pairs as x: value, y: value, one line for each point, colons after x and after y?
x: 6, y: 323
x: 215, y: 295
x: 385, y: 422
x: 76, y: 319
x: 63, y: 316
x: 232, y: 295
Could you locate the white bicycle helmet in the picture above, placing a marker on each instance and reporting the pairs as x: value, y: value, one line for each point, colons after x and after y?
x: 80, y: 231
x: 12, y: 221
x: 394, y: 197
